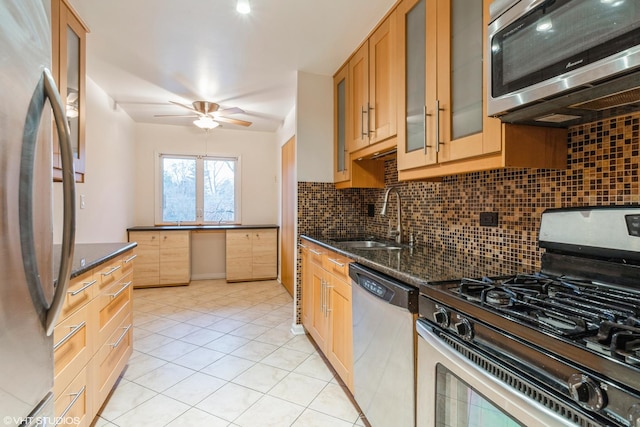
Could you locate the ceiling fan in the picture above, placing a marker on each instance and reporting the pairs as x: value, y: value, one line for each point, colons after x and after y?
x: 208, y: 114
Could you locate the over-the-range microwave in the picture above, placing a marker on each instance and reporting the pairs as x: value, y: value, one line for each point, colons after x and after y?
x: 563, y: 62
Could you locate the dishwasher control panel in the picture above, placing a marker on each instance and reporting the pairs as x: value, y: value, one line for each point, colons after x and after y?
x: 376, y: 288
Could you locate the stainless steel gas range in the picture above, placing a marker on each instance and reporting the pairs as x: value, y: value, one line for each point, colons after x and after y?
x: 557, y: 347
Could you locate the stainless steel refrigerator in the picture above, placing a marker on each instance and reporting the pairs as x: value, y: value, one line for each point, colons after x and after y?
x: 32, y: 288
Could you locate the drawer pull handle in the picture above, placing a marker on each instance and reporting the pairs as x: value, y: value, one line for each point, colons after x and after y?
x: 339, y: 264
x: 70, y: 335
x: 302, y: 245
x: 121, y: 290
x: 313, y: 251
x: 110, y: 272
x: 76, y: 396
x: 131, y: 258
x: 119, y: 340
x: 86, y: 285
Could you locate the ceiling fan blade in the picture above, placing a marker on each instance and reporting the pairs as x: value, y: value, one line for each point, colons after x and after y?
x: 227, y: 111
x: 188, y: 107
x: 232, y: 121
x: 176, y: 115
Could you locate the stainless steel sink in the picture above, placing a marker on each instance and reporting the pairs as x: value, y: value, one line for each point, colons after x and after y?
x: 369, y: 244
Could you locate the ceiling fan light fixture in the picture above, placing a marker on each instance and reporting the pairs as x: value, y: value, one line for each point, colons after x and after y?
x: 206, y: 123
x: 243, y: 6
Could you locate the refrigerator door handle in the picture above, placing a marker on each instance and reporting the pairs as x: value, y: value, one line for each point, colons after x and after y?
x: 48, y: 312
x: 69, y: 192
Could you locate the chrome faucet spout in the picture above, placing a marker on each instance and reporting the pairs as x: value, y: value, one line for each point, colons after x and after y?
x: 397, y: 232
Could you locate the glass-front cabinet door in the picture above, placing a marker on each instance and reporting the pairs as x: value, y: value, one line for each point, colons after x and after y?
x: 341, y: 168
x: 466, y: 129
x: 417, y: 77
x: 443, y: 101
x: 68, y: 37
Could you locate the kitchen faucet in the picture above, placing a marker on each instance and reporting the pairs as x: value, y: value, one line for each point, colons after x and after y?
x: 397, y: 233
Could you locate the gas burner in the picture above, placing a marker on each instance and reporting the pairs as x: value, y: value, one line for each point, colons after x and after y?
x: 472, y: 289
x: 497, y: 296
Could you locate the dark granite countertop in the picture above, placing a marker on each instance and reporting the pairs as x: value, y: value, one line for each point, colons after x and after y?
x: 420, y: 265
x: 200, y: 227
x: 89, y: 255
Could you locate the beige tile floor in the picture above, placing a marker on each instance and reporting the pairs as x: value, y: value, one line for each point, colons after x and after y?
x: 218, y: 354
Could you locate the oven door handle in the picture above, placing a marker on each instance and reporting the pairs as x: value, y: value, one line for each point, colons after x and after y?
x: 441, y: 352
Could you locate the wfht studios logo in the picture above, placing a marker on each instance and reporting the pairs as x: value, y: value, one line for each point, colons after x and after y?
x: 40, y: 421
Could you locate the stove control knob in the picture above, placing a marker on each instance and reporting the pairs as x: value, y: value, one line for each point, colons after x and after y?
x: 441, y: 317
x: 586, y: 392
x: 464, y: 329
x: 634, y: 415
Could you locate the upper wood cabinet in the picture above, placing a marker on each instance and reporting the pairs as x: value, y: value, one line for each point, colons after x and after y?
x: 341, y: 167
x: 443, y: 125
x: 372, y: 88
x: 68, y: 62
x: 349, y: 172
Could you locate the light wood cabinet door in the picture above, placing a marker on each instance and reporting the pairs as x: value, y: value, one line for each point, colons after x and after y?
x: 163, y: 258
x: 341, y: 121
x: 264, y: 254
x: 358, y: 95
x: 174, y: 257
x: 326, y: 306
x: 382, y: 82
x: 319, y: 319
x: 467, y: 131
x: 339, y: 348
x: 147, y: 271
x: 443, y: 124
x: 69, y: 70
x: 239, y: 255
x: 252, y: 254
x: 307, y: 285
x: 372, y: 89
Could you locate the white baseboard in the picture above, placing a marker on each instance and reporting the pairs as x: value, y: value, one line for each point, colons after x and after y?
x: 208, y: 276
x: 297, y: 329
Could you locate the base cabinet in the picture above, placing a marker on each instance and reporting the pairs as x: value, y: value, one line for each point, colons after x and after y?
x: 251, y: 254
x: 326, y: 306
x: 93, y: 339
x: 163, y: 257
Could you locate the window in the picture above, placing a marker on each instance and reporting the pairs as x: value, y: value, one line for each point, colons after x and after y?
x: 199, y: 189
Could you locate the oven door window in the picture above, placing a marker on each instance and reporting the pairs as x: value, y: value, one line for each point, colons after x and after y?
x: 458, y: 405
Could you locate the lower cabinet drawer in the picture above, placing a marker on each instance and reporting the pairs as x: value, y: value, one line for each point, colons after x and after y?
x: 71, y: 349
x: 110, y: 306
x: 110, y: 359
x: 79, y: 293
x: 72, y: 404
x: 336, y: 264
x: 109, y: 274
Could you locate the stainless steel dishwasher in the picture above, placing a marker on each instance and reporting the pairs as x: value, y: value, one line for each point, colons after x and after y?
x: 384, y: 317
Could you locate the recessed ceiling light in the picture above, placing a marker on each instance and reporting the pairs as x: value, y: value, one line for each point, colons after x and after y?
x: 243, y: 6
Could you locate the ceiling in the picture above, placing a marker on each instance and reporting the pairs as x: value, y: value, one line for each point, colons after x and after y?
x: 145, y: 53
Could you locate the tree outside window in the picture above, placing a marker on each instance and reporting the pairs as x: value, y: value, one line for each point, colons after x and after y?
x: 199, y: 189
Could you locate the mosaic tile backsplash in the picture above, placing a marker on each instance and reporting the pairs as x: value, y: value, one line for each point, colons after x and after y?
x: 603, y: 161
x: 602, y: 169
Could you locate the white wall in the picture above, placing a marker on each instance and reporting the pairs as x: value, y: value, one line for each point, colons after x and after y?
x: 314, y: 128
x: 288, y: 128
x: 258, y: 152
x: 109, y: 178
